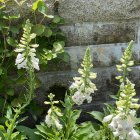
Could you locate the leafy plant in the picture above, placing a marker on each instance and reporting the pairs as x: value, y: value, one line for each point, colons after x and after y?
x: 50, y: 129
x: 122, y: 123
x: 25, y: 59
x: 48, y: 35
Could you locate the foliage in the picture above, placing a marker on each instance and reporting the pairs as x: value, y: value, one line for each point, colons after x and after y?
x: 45, y: 32
x: 40, y: 42
x: 63, y: 125
x: 24, y: 46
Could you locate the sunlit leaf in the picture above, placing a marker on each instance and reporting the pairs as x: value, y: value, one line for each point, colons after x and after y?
x: 38, y: 29
x: 35, y: 5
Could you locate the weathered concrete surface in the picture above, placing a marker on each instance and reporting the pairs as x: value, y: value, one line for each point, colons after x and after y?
x: 102, y: 55
x: 105, y: 81
x: 78, y: 11
x: 99, y: 33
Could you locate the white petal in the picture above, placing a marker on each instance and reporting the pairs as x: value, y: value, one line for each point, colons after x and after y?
x: 22, y: 65
x: 89, y: 99
x: 32, y: 54
x: 19, y: 60
x: 35, y: 65
x: 33, y: 35
x: 20, y: 56
x: 116, y: 134
x: 34, y: 45
x: 36, y: 60
x: 22, y: 46
x: 19, y: 50
x: 58, y: 125
x: 107, y: 118
x: 32, y: 50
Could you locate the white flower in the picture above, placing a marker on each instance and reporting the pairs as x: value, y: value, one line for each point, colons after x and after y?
x: 23, y: 57
x: 82, y: 87
x: 133, y: 135
x: 35, y: 62
x: 52, y: 120
x: 108, y: 118
x: 48, y: 120
x: 78, y: 98
x: 19, y: 50
x: 34, y: 45
x: 58, y: 125
x: 22, y: 64
x: 19, y: 59
x: 89, y: 99
x: 122, y: 126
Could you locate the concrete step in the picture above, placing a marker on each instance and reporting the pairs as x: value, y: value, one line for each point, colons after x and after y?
x: 102, y: 55
x: 78, y: 11
x: 105, y: 82
x: 92, y: 33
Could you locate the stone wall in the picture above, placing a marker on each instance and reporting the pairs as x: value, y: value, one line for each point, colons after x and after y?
x: 106, y: 26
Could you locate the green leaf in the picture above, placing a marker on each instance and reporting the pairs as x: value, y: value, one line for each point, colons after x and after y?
x: 114, y: 97
x: 28, y: 132
x: 2, y: 25
x: 85, y: 130
x: 15, y: 102
x: 12, y: 42
x: 1, y: 71
x: 58, y: 46
x: 14, y: 29
x: 35, y: 110
x: 49, y: 16
x: 38, y: 29
x: 42, y: 8
x: 21, y: 80
x: 2, y: 128
x: 14, y: 16
x: 35, y: 5
x: 64, y: 56
x: 7, y: 124
x: 56, y: 19
x: 14, y: 135
x: 48, y: 32
x: 41, y: 128
x: 10, y: 92
x: 97, y: 115
x: 37, y: 83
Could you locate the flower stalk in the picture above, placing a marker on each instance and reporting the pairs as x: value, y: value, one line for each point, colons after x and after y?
x: 82, y: 87
x: 123, y: 122
x: 25, y: 59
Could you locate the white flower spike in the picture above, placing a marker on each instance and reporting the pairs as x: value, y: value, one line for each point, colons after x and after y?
x: 26, y: 51
x: 82, y: 87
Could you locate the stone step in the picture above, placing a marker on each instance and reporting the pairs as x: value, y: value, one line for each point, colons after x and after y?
x: 78, y: 11
x: 102, y: 55
x: 105, y: 82
x: 91, y: 33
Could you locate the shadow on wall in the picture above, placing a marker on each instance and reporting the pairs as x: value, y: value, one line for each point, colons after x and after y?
x: 59, y: 92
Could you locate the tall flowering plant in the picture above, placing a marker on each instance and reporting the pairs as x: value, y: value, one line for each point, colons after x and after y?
x: 82, y: 87
x: 123, y: 122
x: 26, y: 58
x: 62, y: 126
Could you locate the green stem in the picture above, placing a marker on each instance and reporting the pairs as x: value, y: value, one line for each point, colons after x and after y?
x: 31, y: 91
x: 68, y: 122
